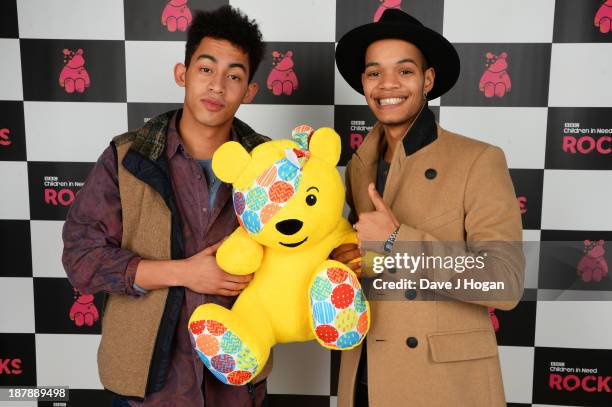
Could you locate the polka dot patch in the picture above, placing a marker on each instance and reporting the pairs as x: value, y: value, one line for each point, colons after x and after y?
x: 342, y: 296
x: 238, y: 377
x: 287, y: 171
x: 230, y: 343
x: 323, y: 312
x: 321, y: 289
x: 251, y: 221
x: 360, y: 301
x: 223, y: 352
x: 215, y: 328
x: 336, y: 275
x: 280, y: 192
x: 270, y: 191
x: 267, y: 178
x: 256, y: 199
x: 197, y: 327
x: 239, y: 203
x: 346, y: 320
x: 207, y: 344
x: 349, y: 339
x: 268, y: 211
x: 339, y: 309
x: 223, y: 363
x: 301, y: 135
x: 326, y: 333
x: 362, y: 324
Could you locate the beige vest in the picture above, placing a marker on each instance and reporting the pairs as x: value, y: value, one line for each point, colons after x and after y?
x: 130, y: 325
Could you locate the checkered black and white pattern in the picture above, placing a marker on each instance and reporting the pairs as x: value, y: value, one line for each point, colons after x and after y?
x: 560, y: 65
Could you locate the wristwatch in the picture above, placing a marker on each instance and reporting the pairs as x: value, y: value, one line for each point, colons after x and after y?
x: 390, y: 241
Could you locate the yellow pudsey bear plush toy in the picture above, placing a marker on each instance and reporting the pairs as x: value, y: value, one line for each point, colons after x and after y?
x: 288, y: 196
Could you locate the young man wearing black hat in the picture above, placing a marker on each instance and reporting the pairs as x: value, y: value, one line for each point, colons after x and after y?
x: 412, y: 181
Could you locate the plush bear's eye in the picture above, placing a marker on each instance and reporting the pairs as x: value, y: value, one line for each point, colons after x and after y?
x: 311, y: 200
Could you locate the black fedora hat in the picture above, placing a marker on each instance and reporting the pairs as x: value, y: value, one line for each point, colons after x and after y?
x: 439, y: 52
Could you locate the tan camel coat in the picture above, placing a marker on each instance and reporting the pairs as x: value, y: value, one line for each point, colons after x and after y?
x: 467, y: 197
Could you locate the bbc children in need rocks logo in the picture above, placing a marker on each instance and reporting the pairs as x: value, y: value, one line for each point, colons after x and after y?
x: 59, y: 192
x: 581, y: 140
x: 571, y: 378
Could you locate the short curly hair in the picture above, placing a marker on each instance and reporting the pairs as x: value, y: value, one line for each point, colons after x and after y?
x: 227, y: 23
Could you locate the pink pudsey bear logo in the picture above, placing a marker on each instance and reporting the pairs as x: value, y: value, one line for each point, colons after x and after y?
x: 176, y: 16
x: 495, y: 80
x: 282, y: 78
x: 384, y: 5
x: 74, y: 76
x: 83, y: 311
x: 592, y: 266
x: 603, y: 17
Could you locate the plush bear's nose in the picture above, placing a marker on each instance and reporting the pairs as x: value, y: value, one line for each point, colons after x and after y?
x: 289, y: 226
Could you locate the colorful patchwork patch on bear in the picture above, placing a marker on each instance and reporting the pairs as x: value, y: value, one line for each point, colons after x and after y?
x: 339, y: 309
x: 301, y: 135
x: 273, y: 188
x: 223, y: 352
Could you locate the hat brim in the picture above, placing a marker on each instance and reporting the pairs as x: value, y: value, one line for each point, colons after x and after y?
x: 439, y: 52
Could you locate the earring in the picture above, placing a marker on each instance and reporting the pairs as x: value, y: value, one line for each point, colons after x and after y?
x: 425, y: 96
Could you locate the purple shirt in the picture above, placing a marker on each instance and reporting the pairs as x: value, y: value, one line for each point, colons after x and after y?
x: 94, y: 261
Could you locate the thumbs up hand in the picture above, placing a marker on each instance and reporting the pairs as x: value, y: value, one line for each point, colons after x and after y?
x: 378, y: 225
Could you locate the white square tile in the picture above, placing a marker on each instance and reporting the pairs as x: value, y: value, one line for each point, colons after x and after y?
x: 307, y: 21
x: 581, y: 75
x: 15, y: 202
x: 10, y: 81
x: 519, y: 131
x: 499, y: 20
x: 67, y: 360
x: 300, y: 368
x: 277, y: 121
x: 47, y: 247
x: 149, y: 71
x: 584, y: 324
x: 58, y: 19
x: 577, y: 200
x: 16, y: 305
x: 71, y: 131
x: 517, y: 372
x: 343, y: 93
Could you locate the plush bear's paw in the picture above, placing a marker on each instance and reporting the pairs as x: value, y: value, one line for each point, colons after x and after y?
x: 340, y: 312
x: 223, y: 352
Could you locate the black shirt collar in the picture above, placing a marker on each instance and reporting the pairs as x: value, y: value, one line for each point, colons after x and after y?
x: 423, y: 132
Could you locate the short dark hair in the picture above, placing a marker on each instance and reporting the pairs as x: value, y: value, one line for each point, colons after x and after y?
x: 227, y: 23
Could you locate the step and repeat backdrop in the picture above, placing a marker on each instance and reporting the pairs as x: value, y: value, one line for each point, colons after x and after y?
x: 536, y: 80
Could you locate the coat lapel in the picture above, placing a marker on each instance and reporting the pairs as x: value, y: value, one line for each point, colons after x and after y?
x: 422, y: 133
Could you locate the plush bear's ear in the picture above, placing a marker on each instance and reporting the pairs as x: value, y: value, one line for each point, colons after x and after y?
x: 325, y: 144
x: 229, y: 161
